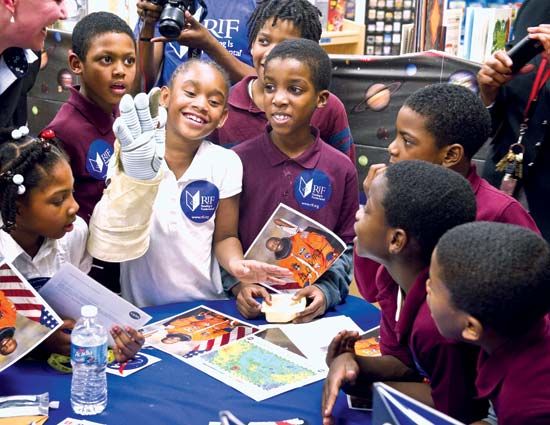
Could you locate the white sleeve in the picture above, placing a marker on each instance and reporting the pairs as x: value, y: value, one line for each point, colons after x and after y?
x: 231, y: 181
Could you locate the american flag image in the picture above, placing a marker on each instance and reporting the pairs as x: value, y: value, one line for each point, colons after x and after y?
x: 26, y: 301
x: 210, y: 344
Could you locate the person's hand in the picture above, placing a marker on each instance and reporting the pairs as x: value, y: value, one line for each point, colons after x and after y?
x: 252, y: 271
x: 317, y: 306
x: 343, y: 342
x: 60, y: 341
x: 374, y: 170
x: 140, y: 130
x: 541, y: 33
x: 344, y: 369
x: 149, y: 13
x: 246, y: 303
x: 194, y: 34
x: 128, y: 342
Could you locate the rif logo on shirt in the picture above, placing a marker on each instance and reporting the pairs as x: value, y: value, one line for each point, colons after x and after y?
x: 97, y: 158
x: 199, y: 200
x: 312, y: 189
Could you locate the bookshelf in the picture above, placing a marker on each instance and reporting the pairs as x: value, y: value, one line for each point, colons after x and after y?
x: 351, y: 40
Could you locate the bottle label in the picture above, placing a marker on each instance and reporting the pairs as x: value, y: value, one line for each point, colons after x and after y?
x: 89, y: 355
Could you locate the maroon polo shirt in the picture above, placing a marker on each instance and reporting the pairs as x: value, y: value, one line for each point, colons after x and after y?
x: 86, y: 133
x: 246, y: 121
x: 321, y: 183
x: 492, y: 205
x: 516, y: 377
x: 449, y: 365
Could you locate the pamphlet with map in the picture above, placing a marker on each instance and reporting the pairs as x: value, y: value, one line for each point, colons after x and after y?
x: 292, y: 240
x: 258, y: 368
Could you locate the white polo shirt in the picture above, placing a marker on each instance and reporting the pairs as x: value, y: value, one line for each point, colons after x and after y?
x: 179, y: 264
x: 53, y: 253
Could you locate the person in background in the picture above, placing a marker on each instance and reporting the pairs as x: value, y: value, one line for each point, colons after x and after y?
x: 489, y: 286
x: 23, y: 26
x: 506, y: 96
x: 222, y: 36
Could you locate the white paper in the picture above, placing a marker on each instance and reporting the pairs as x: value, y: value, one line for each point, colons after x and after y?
x: 73, y: 421
x: 140, y: 361
x: 69, y: 289
x: 313, y: 338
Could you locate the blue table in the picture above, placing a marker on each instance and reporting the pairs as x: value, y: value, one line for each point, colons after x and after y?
x: 172, y: 392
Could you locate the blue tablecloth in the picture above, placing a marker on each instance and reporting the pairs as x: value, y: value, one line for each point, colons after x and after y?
x: 172, y: 392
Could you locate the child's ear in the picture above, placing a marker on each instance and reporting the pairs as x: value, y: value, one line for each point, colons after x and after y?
x: 224, y: 117
x: 10, y: 5
x: 453, y: 155
x: 398, y: 241
x: 322, y: 98
x: 75, y: 63
x: 473, y: 330
x: 164, y: 96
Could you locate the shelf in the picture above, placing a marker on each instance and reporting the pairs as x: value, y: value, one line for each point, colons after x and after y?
x: 351, y: 40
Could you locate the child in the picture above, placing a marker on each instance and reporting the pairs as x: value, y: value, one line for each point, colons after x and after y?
x: 103, y: 55
x: 296, y: 77
x: 185, y: 212
x: 490, y: 286
x: 272, y: 22
x: 409, y: 208
x: 40, y: 227
x: 444, y: 124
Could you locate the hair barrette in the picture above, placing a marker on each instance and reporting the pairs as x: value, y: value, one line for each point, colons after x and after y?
x: 17, y: 133
x: 18, y: 180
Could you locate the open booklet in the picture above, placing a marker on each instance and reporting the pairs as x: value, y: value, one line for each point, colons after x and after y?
x: 25, y: 318
x: 292, y: 240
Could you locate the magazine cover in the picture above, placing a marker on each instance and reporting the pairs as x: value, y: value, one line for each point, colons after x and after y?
x: 25, y: 318
x: 292, y: 240
x: 195, y: 331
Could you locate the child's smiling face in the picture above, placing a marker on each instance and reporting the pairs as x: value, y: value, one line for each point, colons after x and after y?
x: 196, y: 102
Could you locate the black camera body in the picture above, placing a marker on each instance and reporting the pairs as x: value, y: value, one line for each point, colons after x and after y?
x: 172, y: 17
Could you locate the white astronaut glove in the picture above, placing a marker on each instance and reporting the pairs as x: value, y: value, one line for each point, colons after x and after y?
x: 140, y: 129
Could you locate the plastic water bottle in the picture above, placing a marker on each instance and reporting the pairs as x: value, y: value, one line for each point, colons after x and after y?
x: 89, y: 360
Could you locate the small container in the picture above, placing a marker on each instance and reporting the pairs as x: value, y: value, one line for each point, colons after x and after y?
x: 283, y: 308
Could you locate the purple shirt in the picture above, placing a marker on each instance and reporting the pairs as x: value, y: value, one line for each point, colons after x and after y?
x: 86, y: 133
x: 246, y: 121
x: 516, y: 377
x: 270, y: 177
x: 450, y: 366
x: 492, y: 205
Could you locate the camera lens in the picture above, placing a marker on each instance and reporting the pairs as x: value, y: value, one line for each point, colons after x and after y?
x: 171, y: 22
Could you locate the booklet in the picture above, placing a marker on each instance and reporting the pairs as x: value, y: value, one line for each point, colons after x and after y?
x: 25, y: 317
x: 69, y: 289
x: 392, y: 407
x: 369, y: 343
x: 195, y: 331
x: 292, y: 240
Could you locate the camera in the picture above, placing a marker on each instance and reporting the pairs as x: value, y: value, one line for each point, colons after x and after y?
x: 172, y: 17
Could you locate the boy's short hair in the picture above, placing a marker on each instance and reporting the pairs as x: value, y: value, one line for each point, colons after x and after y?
x: 310, y: 54
x: 497, y: 272
x: 426, y: 200
x: 184, y: 66
x: 454, y: 114
x: 93, y: 25
x: 304, y: 15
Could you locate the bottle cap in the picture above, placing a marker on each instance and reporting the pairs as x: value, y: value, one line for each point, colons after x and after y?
x: 88, y: 310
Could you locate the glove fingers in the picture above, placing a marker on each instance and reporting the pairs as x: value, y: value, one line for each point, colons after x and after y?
x: 154, y: 101
x: 122, y: 133
x: 129, y: 115
x: 144, y: 115
x: 160, y: 132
